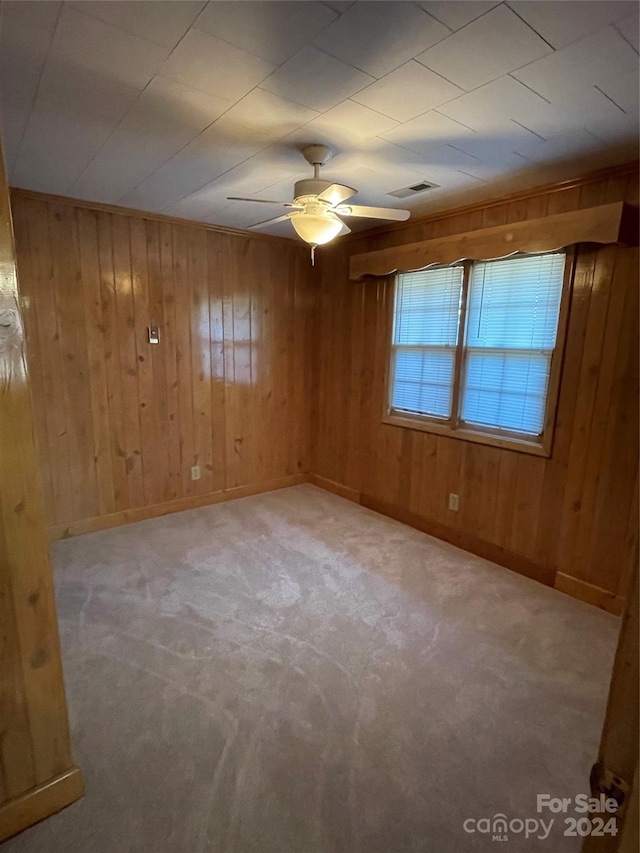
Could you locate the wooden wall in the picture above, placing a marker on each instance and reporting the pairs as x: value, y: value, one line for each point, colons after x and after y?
x: 37, y: 774
x: 570, y: 519
x: 120, y: 422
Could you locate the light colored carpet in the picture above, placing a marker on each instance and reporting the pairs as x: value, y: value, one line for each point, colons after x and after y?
x: 291, y: 672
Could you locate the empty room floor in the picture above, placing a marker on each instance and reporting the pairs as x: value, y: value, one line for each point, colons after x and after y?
x: 292, y: 672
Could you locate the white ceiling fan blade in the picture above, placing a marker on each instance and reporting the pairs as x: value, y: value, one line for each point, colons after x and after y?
x: 262, y: 201
x: 336, y: 194
x: 373, y: 212
x: 273, y: 221
x: 345, y: 229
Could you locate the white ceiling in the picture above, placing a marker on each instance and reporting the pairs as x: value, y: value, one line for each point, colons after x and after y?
x: 171, y: 106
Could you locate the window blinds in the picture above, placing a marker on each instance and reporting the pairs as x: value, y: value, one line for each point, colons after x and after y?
x: 512, y: 320
x: 425, y: 335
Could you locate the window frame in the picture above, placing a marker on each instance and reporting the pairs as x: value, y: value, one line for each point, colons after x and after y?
x: 453, y: 426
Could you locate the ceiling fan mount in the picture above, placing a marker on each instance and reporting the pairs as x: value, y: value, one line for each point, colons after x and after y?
x: 317, y: 154
x: 318, y: 205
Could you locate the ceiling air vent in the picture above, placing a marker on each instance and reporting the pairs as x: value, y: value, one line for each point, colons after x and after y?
x: 422, y: 187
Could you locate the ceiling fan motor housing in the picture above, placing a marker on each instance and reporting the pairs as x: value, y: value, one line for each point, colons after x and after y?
x: 310, y: 187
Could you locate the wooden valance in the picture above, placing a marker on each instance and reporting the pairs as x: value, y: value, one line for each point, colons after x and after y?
x: 607, y: 223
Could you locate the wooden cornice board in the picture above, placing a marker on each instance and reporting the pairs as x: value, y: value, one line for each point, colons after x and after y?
x: 607, y: 223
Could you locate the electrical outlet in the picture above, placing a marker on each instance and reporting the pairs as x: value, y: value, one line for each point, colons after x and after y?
x: 454, y: 502
x: 195, y: 472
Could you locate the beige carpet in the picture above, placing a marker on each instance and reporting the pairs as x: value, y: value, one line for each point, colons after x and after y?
x: 293, y: 673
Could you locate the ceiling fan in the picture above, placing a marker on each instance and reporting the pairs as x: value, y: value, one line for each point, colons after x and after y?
x: 318, y: 205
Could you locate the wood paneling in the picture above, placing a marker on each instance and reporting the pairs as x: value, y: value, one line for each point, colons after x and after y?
x: 37, y: 775
x: 573, y: 513
x: 120, y: 422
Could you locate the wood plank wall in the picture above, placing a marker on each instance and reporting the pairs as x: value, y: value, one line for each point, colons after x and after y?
x: 570, y: 519
x: 120, y: 422
x: 37, y: 774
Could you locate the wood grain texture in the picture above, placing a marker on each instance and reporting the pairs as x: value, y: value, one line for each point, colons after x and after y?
x: 40, y: 802
x: 120, y: 422
x: 574, y: 512
x: 602, y: 224
x: 34, y: 731
x: 618, y: 753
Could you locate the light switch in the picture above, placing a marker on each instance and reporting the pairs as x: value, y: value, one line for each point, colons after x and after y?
x: 154, y: 335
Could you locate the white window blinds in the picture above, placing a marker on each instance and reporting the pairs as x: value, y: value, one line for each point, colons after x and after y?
x: 425, y: 335
x: 512, y: 321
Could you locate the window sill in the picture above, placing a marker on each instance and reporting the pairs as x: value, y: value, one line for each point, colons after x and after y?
x: 520, y: 445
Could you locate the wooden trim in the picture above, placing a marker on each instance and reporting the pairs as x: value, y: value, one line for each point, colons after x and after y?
x: 461, y: 349
x: 40, y: 802
x: 337, y: 488
x: 127, y: 516
x: 557, y: 358
x: 608, y: 173
x: 601, y: 224
x: 509, y: 442
x: 589, y: 593
x: 479, y: 547
x: 155, y: 217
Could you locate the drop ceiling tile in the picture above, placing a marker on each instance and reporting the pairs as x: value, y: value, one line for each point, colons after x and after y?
x: 348, y: 124
x: 629, y: 29
x: 564, y: 21
x: 210, y: 155
x: 267, y: 114
x: 624, y: 131
x: 623, y: 91
x: 73, y: 115
x: 408, y: 92
x: 500, y: 140
x: 315, y: 79
x: 94, y: 46
x: 215, y: 66
x: 489, y: 47
x: 274, y: 30
x: 16, y: 97
x: 382, y: 166
x: 455, y: 14
x: 197, y: 209
x: 339, y: 6
x: 585, y: 63
x: 282, y: 190
x: 42, y: 14
x: 245, y: 214
x: 494, y: 168
x: 561, y: 147
x: 447, y: 157
x: 269, y: 174
x: 379, y: 37
x: 163, y: 23
x: 427, y: 131
x: 23, y: 46
x: 506, y: 99
x: 166, y: 116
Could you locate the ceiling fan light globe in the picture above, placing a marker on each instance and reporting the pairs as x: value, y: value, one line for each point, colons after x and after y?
x: 316, y: 229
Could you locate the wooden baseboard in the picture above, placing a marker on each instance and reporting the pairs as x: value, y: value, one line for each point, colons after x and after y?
x: 590, y: 593
x: 38, y: 803
x: 337, y: 488
x: 127, y: 516
x: 466, y: 541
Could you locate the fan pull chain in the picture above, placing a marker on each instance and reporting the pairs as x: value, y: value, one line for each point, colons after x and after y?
x: 313, y: 256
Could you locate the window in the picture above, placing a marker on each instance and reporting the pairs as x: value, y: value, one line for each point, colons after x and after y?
x: 473, y: 346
